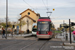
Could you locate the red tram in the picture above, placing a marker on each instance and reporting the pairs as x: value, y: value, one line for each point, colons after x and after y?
x: 44, y: 26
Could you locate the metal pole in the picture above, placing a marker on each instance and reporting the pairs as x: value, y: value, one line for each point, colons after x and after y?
x: 12, y: 31
x: 63, y: 28
x: 70, y: 30
x: 6, y: 16
x: 66, y: 35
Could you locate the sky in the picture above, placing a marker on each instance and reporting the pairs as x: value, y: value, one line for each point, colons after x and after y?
x: 64, y: 9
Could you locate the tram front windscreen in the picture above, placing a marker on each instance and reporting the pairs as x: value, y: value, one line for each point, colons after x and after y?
x: 43, y: 26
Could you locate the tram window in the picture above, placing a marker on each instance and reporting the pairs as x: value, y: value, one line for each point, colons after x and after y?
x: 34, y: 28
x: 50, y: 27
x: 44, y: 27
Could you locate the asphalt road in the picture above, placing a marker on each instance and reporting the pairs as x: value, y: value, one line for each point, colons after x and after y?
x: 33, y: 44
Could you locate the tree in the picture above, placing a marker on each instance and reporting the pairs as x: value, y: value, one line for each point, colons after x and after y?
x: 3, y: 24
x: 21, y: 23
x: 9, y: 24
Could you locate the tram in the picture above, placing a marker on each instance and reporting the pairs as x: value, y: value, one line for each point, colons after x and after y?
x: 34, y: 29
x: 44, y: 26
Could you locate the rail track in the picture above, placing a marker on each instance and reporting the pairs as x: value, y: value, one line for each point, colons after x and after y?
x: 39, y: 43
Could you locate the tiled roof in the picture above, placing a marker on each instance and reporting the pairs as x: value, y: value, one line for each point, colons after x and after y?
x: 28, y: 9
x: 28, y: 17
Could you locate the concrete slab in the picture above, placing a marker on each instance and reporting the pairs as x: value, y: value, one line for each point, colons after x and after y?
x: 55, y: 39
x: 16, y: 36
x: 69, y: 44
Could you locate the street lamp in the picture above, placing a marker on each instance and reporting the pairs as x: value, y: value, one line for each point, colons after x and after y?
x: 6, y: 16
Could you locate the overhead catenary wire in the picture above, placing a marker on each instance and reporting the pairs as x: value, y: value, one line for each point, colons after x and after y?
x: 44, y: 4
x: 47, y: 3
x: 29, y: 5
x: 47, y: 7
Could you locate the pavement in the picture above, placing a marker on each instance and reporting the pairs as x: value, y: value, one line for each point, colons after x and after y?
x: 9, y: 36
x: 19, y: 42
x: 22, y: 44
x: 66, y: 42
x: 58, y: 37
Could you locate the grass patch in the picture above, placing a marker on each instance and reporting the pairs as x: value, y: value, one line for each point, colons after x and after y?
x: 58, y: 32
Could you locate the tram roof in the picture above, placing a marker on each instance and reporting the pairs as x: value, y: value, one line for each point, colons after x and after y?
x: 44, y: 18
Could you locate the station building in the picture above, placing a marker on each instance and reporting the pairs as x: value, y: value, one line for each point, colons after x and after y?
x: 28, y: 17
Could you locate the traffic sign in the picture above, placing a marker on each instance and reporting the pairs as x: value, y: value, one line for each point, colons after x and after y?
x: 72, y: 23
x: 53, y: 9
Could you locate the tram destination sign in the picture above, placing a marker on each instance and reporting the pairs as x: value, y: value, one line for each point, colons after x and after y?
x: 43, y: 22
